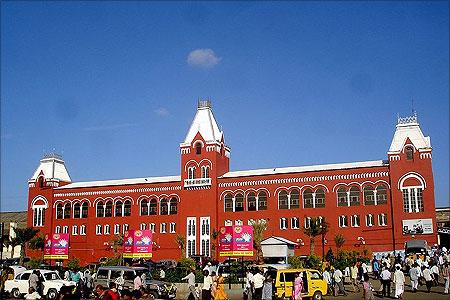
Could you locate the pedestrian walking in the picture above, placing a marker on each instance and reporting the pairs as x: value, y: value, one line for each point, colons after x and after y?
x: 207, y: 283
x: 267, y: 289
x: 446, y: 275
x: 367, y: 289
x: 298, y: 286
x: 258, y: 281
x: 248, y: 291
x: 327, y: 277
x: 435, y: 274
x: 137, y: 282
x: 354, y: 277
x: 220, y: 293
x: 399, y: 281
x: 414, y: 275
x: 191, y: 285
x: 339, y: 281
x: 386, y: 282
x: 427, y: 276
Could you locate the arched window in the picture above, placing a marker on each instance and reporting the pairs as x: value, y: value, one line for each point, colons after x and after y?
x: 295, y: 199
x: 354, y: 196
x: 59, y: 211
x: 153, y: 207
x: 205, y: 172
x: 369, y: 197
x: 198, y: 148
x: 100, y: 210
x: 108, y: 208
x: 191, y: 173
x: 251, y: 202
x: 164, y: 209
x: 127, y: 208
x: 118, y: 210
x: 144, y: 207
x: 84, y: 210
x: 239, y: 203
x: 307, y: 198
x: 262, y: 201
x: 381, y: 194
x: 228, y: 202
x: 41, y: 182
x: 409, y: 150
x: 77, y: 211
x: 283, y: 200
x: 320, y: 198
x: 173, y: 206
x: 67, y: 211
x: 342, y: 197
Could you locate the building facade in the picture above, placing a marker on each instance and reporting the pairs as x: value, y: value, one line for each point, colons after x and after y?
x: 376, y: 205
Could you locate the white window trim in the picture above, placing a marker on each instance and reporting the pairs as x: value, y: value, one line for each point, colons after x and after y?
x: 83, y: 230
x: 58, y: 229
x: 152, y: 227
x: 65, y: 229
x: 116, y: 228
x: 353, y: 219
x: 143, y: 226
x: 163, y: 228
x: 191, y: 238
x: 173, y: 227
x: 369, y: 220
x: 205, y: 237
x: 228, y: 223
x: 295, y: 222
x: 74, y: 230
x: 107, y: 229
x: 283, y: 223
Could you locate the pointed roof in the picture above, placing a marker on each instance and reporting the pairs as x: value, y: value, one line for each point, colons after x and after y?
x: 409, y: 127
x: 52, y: 167
x: 204, y: 123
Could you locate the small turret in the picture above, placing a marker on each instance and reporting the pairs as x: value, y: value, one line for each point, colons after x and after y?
x: 51, y: 172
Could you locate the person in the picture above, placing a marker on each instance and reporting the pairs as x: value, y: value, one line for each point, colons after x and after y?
x: 414, y: 276
x: 88, y: 284
x: 67, y: 275
x: 327, y: 278
x: 375, y: 267
x: 33, y: 280
x: 298, y: 286
x: 446, y: 276
x: 399, y: 281
x: 427, y: 276
x: 435, y: 274
x: 126, y: 295
x: 386, y: 282
x: 207, y: 283
x: 367, y: 289
x: 258, y: 282
x: 144, y: 293
x: 220, y: 293
x: 101, y: 293
x: 191, y: 285
x: 32, y: 294
x: 248, y: 291
x: 162, y: 274
x: 267, y: 289
x: 137, y: 282
x: 354, y: 277
x: 214, y: 284
x: 120, y: 281
x: 113, y: 292
x: 338, y: 279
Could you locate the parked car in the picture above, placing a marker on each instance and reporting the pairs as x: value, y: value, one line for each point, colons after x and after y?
x: 314, y: 286
x: 167, y: 263
x: 156, y: 289
x: 53, y: 284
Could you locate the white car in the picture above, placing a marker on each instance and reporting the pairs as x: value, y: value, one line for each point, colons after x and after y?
x: 53, y: 284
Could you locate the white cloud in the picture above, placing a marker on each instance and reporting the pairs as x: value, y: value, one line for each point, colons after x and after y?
x: 162, y: 112
x: 203, y: 58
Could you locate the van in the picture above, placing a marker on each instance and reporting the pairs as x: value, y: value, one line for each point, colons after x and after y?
x: 314, y: 286
x: 157, y: 289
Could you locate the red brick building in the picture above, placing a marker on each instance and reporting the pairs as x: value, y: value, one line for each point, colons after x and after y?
x: 374, y: 204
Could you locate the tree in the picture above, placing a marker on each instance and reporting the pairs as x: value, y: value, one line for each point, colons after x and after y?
x: 316, y: 227
x: 23, y: 236
x: 259, y: 226
x: 38, y: 243
x: 339, y: 240
x: 11, y: 242
x: 214, y: 236
x: 181, y: 242
x: 116, y: 243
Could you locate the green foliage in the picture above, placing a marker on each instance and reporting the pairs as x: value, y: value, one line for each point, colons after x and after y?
x: 73, y: 263
x: 187, y: 263
x: 116, y: 243
x: 23, y: 236
x: 181, y: 242
x: 295, y: 262
x: 313, y: 262
x: 339, y: 240
x: 259, y: 227
x: 34, y: 263
x: 329, y: 257
x: 113, y: 261
x: 38, y: 243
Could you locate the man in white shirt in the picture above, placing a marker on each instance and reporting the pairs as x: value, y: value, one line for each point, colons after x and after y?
x: 435, y: 274
x: 386, y: 282
x: 191, y: 284
x: 207, y: 283
x: 338, y: 279
x: 249, y: 285
x: 399, y: 280
x: 258, y: 282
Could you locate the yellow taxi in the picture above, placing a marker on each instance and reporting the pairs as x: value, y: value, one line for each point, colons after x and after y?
x: 314, y: 286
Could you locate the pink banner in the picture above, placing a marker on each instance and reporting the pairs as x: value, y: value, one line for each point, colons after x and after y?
x: 56, y: 246
x: 236, y: 241
x: 137, y: 244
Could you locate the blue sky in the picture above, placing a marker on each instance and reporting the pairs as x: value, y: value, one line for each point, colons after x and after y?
x: 113, y: 86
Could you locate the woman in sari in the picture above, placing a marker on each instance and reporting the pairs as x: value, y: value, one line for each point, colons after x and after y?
x: 220, y: 293
x: 214, y: 284
x: 298, y: 286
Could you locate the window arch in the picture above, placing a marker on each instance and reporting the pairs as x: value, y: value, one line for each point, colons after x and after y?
x: 262, y: 200
x: 76, y: 211
x: 191, y: 173
x: 239, y: 202
x: 164, y: 208
x: 198, y: 148
x: 369, y: 195
x: 308, y: 198
x: 84, y: 210
x: 283, y: 200
x: 173, y: 206
x: 153, y: 207
x: 108, y: 208
x: 228, y: 203
x: 381, y: 194
x: 294, y: 199
x: 67, y: 211
x: 118, y: 211
x: 342, y: 197
x: 127, y: 208
x: 59, y: 211
x: 409, y: 151
x: 41, y: 182
x: 354, y: 196
x: 251, y: 202
x: 144, y: 207
x: 205, y: 172
x: 100, y: 210
x: 320, y: 198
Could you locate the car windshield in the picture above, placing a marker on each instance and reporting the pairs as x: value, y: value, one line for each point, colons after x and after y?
x: 51, y: 276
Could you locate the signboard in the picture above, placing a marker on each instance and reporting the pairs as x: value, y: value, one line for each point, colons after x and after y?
x: 236, y: 241
x: 56, y: 246
x: 417, y: 226
x: 137, y: 244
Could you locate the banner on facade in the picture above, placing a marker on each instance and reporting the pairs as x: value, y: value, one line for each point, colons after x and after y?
x: 236, y: 241
x: 137, y: 244
x: 417, y: 226
x: 56, y: 246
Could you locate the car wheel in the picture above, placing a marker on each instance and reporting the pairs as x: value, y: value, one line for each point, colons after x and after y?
x: 317, y: 295
x: 15, y: 293
x: 52, y: 294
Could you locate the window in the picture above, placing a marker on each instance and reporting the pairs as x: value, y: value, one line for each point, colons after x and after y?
x: 164, y: 208
x: 59, y: 211
x: 409, y: 151
x: 66, y: 212
x: 173, y: 206
x: 369, y: 220
x: 381, y: 194
x: 369, y: 195
x: 108, y: 209
x: 83, y: 230
x: 342, y: 197
x: 142, y: 226
x: 262, y: 201
x: 251, y: 202
x: 320, y: 198
x: 355, y: 221
x: 382, y: 220
x: 283, y: 224
x: 106, y: 229
x: 238, y: 223
x: 239, y: 203
x: 84, y: 210
x: 116, y: 228
x: 144, y: 207
x: 295, y: 223
x: 228, y: 202
x: 39, y: 215
x: 308, y: 198
x: 102, y: 274
x: 198, y: 148
x: 153, y: 207
x: 294, y: 201
x: 76, y: 211
x: 250, y: 222
x: 412, y: 199
x: 74, y: 230
x: 65, y: 229
x: 173, y: 227
x: 98, y: 229
x: 41, y: 182
x: 152, y: 227
x: 191, y: 173
x: 58, y: 229
x: 283, y: 200
x: 125, y: 228
x: 205, y: 172
x: 162, y: 228
x: 127, y: 208
x: 119, y: 209
x: 228, y: 223
x: 343, y: 221
x: 307, y: 222
x: 354, y: 196
x: 100, y: 210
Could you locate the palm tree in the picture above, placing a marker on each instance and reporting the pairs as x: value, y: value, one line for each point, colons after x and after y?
x: 259, y: 227
x: 214, y: 236
x: 316, y: 227
x: 181, y: 242
x: 38, y: 243
x: 339, y: 240
x: 23, y: 236
x: 116, y: 243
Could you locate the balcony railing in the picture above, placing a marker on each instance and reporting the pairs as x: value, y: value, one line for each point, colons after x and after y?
x: 197, y: 182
